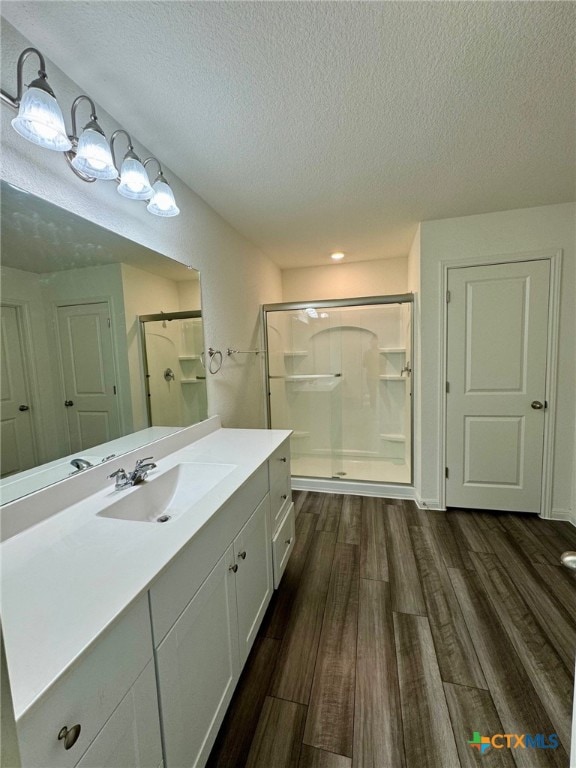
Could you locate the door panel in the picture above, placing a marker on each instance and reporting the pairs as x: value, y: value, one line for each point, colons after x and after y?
x: 88, y: 374
x: 16, y: 430
x: 497, y: 347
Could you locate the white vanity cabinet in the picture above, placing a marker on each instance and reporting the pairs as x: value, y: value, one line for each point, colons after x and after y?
x: 282, y: 518
x: 198, y: 667
x: 200, y: 657
x: 103, y: 694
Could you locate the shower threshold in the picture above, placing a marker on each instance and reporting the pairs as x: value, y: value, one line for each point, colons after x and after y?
x: 366, y: 470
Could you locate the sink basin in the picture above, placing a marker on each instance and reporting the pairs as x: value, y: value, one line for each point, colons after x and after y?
x: 161, y: 497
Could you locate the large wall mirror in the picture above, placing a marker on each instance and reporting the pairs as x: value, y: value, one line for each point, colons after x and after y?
x: 80, y: 364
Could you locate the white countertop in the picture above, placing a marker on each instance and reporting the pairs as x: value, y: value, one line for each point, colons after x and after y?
x: 66, y: 579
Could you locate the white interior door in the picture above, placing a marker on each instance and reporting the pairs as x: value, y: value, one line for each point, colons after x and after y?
x: 496, y: 374
x: 16, y: 428
x: 88, y: 371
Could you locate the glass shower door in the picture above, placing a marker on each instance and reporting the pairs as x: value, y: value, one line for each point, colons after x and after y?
x: 339, y: 376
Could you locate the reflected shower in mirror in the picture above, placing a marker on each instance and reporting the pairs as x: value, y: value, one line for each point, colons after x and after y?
x: 73, y: 370
x: 173, y: 352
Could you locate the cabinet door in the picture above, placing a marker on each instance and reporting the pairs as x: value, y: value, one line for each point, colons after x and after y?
x: 198, y: 668
x: 131, y: 737
x: 252, y: 553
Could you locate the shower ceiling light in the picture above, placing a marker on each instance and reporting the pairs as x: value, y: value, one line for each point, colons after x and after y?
x: 40, y: 121
x: 337, y: 256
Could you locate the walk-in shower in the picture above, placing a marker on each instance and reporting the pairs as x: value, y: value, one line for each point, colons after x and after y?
x: 172, y: 353
x: 339, y: 376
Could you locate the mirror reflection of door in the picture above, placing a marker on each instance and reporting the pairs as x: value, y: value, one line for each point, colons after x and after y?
x: 16, y: 426
x: 174, y: 371
x: 88, y: 373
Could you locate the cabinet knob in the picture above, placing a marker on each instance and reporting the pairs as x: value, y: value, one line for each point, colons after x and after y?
x: 233, y: 568
x: 242, y: 555
x: 284, y: 496
x: 283, y: 458
x: 70, y: 736
x: 288, y: 541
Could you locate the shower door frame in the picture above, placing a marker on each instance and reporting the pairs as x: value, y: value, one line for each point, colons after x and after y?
x: 186, y: 314
x: 398, y: 298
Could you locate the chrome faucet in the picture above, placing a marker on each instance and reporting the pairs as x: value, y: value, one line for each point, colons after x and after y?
x: 138, y: 474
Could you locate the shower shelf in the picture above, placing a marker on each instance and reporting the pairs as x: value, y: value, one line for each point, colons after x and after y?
x: 192, y: 381
x: 295, y: 353
x: 188, y: 357
x: 393, y: 438
x: 298, y: 434
x: 391, y: 350
x: 391, y: 377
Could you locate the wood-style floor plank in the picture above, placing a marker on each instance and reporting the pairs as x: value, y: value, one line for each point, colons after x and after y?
x: 373, y: 553
x: 452, y: 553
x: 535, y: 547
x: 466, y: 528
x: 548, y: 675
x: 428, y: 736
x: 557, y: 540
x: 312, y: 502
x: 277, y: 616
x: 562, y: 583
x: 295, y: 666
x: 489, y: 521
x: 329, y: 516
x: 299, y: 497
x: 378, y: 738
x: 349, y: 530
x: 330, y: 720
x: 473, y: 711
x: 405, y: 586
x: 457, y: 658
x: 516, y: 701
x: 310, y: 757
x: 278, y: 738
x: 558, y: 625
x: 235, y: 737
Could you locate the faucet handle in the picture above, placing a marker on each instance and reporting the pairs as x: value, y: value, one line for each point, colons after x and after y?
x: 118, y: 473
x: 139, y: 462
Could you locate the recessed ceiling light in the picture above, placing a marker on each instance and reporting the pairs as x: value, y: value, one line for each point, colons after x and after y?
x: 337, y: 256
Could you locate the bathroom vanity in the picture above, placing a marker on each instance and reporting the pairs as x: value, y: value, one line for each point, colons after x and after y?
x: 111, y: 617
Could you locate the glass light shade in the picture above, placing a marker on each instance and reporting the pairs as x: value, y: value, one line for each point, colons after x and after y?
x: 93, y: 156
x: 40, y: 121
x: 134, y: 181
x: 163, y: 202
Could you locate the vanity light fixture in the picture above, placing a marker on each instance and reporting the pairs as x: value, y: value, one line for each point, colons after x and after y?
x: 89, y: 155
x: 134, y: 181
x: 337, y: 256
x: 162, y: 202
x: 39, y: 117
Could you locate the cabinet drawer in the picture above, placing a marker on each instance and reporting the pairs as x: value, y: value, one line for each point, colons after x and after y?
x: 175, y: 587
x: 88, y: 693
x: 280, y: 500
x: 279, y: 463
x: 283, y: 544
x: 131, y: 737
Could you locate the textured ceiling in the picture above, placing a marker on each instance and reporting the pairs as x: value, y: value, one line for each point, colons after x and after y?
x: 321, y: 126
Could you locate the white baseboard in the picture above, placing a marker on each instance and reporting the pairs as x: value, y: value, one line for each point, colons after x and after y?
x: 429, y: 504
x: 563, y: 514
x: 353, y: 488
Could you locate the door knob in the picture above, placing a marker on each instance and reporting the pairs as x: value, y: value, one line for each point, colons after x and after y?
x: 537, y: 405
x: 24, y: 408
x: 68, y: 403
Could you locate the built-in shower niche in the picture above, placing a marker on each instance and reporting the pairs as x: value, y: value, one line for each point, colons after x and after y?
x: 339, y: 377
x: 173, y: 349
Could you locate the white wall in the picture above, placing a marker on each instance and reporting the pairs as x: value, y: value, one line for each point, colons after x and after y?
x: 342, y: 281
x: 236, y: 276
x: 546, y: 228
